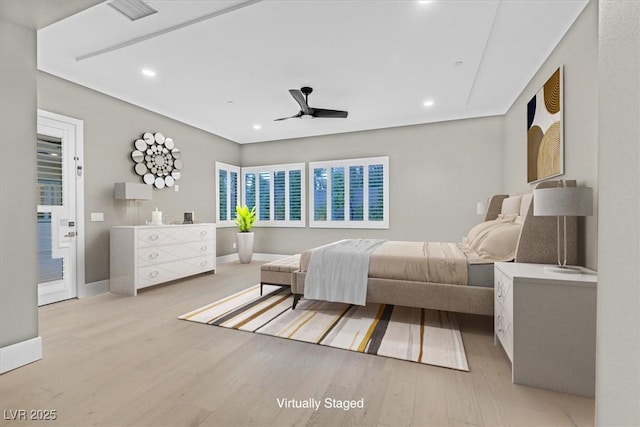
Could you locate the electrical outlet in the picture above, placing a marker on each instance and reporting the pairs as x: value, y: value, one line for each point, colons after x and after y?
x: 234, y: 245
x: 176, y: 188
x: 97, y: 217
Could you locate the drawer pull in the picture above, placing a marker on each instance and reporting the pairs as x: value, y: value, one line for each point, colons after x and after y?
x: 203, y: 248
x: 153, y: 255
x: 499, y: 289
x: 154, y: 237
x: 154, y: 273
x: 203, y: 263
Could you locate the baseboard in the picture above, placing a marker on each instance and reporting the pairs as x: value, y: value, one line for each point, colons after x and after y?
x: 256, y: 257
x: 268, y: 257
x: 20, y: 354
x: 226, y: 258
x: 93, y: 288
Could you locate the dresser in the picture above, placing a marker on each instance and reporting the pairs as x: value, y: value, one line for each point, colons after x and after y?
x: 546, y: 323
x: 147, y: 255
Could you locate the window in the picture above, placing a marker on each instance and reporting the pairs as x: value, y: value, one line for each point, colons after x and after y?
x: 277, y: 192
x: 350, y: 193
x: 227, y: 194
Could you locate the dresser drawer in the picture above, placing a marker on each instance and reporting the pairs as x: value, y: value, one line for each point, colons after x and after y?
x: 160, y: 254
x: 167, y: 235
x: 200, y: 232
x: 158, y: 236
x: 154, y: 274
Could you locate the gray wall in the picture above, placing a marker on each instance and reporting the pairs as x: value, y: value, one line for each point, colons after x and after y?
x: 437, y: 173
x: 618, y: 343
x: 18, y: 288
x: 578, y: 53
x: 110, y: 127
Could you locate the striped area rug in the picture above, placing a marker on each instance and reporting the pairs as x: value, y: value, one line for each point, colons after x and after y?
x: 425, y: 336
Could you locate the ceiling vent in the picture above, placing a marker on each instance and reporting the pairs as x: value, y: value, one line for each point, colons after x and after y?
x: 132, y: 9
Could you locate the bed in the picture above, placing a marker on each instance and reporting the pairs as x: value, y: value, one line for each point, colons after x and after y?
x: 535, y: 242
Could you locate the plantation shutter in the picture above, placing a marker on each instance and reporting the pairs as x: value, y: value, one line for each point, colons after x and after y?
x: 227, y: 194
x: 356, y: 193
x: 320, y: 194
x: 264, y: 196
x: 376, y: 192
x: 233, y: 193
x: 350, y: 193
x: 250, y: 190
x: 223, y: 207
x: 295, y: 195
x: 337, y: 194
x: 279, y: 196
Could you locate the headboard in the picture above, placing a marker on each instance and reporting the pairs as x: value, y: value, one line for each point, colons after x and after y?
x: 538, y: 242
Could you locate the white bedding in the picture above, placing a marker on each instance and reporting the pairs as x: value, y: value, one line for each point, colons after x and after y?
x: 339, y: 272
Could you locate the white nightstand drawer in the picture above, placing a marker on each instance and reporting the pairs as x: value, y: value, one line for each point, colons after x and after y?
x: 503, y: 289
x: 503, y: 324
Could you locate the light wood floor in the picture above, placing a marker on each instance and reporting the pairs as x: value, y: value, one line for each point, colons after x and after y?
x: 115, y: 361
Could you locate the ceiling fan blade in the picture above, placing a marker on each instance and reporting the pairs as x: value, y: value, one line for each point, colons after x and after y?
x: 299, y: 97
x: 286, y: 118
x: 329, y: 114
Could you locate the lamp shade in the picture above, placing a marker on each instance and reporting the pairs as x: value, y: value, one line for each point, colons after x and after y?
x: 133, y: 191
x: 563, y: 201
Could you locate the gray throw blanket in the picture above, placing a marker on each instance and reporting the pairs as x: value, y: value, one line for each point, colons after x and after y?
x: 339, y: 272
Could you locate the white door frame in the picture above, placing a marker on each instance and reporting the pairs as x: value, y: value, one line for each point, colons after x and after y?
x: 77, y: 127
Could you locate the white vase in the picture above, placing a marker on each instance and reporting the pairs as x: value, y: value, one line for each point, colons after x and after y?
x: 245, y: 247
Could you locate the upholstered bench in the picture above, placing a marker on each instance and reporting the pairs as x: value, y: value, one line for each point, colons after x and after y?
x: 279, y: 272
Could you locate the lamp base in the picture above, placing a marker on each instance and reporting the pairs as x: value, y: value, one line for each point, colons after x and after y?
x: 563, y: 270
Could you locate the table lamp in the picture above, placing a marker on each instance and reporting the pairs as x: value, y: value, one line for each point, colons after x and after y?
x: 562, y: 202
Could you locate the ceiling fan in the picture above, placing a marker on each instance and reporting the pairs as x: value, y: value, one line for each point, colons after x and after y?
x: 301, y: 96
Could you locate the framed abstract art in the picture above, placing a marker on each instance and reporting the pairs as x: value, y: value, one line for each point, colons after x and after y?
x: 545, y: 141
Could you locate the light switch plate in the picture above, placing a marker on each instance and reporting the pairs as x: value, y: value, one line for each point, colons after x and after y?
x: 176, y: 188
x: 97, y: 217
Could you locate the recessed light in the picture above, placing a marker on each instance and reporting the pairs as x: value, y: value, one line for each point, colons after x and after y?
x: 257, y: 127
x: 149, y: 73
x: 425, y: 1
x: 428, y: 103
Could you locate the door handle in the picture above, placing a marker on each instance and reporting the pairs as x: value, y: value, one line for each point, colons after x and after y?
x: 71, y: 234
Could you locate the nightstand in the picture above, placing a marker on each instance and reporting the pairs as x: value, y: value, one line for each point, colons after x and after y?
x: 546, y: 323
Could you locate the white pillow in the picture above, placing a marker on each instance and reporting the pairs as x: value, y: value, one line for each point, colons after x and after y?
x: 525, y: 203
x: 498, y: 243
x: 511, y: 205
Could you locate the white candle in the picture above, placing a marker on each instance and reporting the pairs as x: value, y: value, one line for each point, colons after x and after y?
x: 156, y: 217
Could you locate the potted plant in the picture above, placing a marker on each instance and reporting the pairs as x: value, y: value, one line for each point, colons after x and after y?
x: 245, y: 219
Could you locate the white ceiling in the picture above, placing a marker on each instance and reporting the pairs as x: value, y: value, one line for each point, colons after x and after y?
x: 380, y: 60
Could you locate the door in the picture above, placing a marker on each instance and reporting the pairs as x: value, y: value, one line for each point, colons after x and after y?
x: 57, y: 206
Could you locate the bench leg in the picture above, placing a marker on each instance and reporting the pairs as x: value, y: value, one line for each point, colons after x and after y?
x: 261, y: 288
x: 296, y: 298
